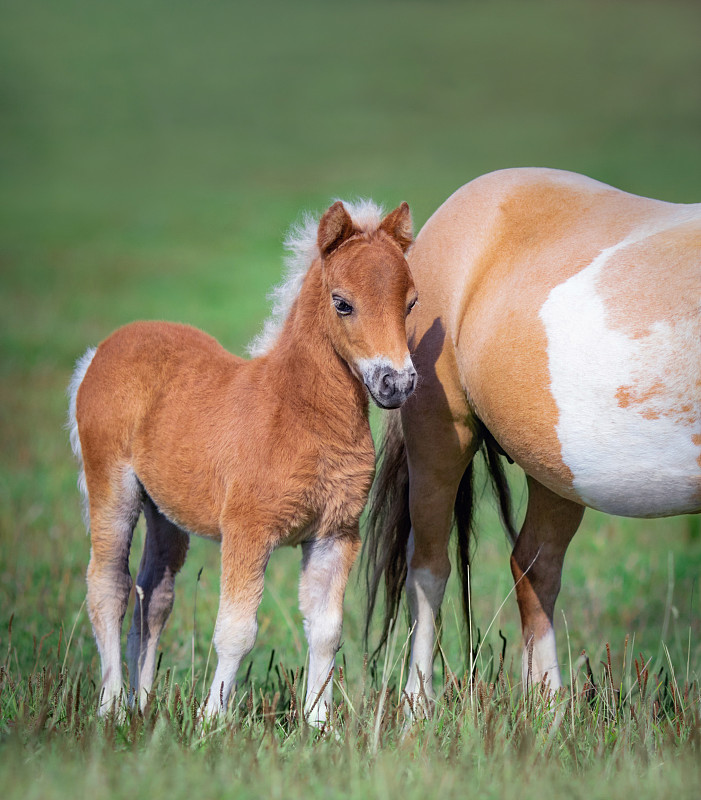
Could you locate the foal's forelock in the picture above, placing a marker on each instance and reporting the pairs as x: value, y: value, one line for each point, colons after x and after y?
x: 302, y: 250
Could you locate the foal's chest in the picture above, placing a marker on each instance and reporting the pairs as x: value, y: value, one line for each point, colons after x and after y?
x: 334, y: 500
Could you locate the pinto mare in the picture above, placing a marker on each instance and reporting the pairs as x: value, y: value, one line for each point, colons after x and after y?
x: 254, y: 454
x: 558, y: 324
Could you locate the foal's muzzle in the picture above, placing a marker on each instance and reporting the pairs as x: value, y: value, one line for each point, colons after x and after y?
x: 390, y: 387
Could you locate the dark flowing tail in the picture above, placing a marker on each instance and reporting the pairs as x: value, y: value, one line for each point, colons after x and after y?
x: 388, y: 527
x: 389, y: 524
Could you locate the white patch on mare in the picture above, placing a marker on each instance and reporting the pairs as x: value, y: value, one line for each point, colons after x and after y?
x: 624, y: 461
x: 541, y: 654
x: 302, y: 249
x: 81, y: 367
x: 425, y: 594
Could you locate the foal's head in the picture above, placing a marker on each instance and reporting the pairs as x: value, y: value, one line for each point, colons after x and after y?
x: 370, y: 291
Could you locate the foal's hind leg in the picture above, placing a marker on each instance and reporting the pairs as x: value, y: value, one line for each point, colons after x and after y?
x: 326, y: 564
x: 164, y: 554
x: 536, y: 564
x: 114, y: 508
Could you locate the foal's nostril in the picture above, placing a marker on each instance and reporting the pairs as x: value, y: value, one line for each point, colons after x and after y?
x: 386, y: 383
x: 388, y: 386
x: 391, y: 382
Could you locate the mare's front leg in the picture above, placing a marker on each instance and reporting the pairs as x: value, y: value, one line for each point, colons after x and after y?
x: 432, y: 497
x: 437, y: 460
x: 440, y: 439
x: 326, y: 564
x: 164, y: 554
x: 244, y: 559
x: 536, y: 564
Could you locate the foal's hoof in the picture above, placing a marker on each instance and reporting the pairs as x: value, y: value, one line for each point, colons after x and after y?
x: 113, y: 708
x: 418, y: 707
x: 322, y: 722
x: 325, y: 730
x: 212, y: 714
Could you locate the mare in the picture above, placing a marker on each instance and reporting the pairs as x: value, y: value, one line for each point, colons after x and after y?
x: 559, y: 325
x: 254, y: 454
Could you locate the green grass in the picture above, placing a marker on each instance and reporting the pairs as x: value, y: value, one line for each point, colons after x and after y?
x: 151, y: 157
x: 637, y: 731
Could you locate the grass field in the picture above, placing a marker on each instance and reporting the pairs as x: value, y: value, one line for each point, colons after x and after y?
x: 152, y: 156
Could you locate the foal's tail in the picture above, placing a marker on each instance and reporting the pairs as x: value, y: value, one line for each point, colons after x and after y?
x: 81, y: 367
x: 389, y: 524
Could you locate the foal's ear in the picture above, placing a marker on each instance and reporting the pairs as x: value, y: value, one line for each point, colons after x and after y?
x: 399, y: 226
x: 334, y: 228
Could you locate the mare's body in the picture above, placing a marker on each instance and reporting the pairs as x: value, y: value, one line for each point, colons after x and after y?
x: 560, y: 323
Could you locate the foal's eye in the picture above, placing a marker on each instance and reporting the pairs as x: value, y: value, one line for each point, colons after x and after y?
x: 411, y: 305
x: 342, y: 307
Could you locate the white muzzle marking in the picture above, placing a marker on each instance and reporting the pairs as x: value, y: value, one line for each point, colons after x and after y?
x: 389, y: 385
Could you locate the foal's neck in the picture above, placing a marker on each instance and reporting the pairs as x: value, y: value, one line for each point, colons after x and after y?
x: 305, y: 359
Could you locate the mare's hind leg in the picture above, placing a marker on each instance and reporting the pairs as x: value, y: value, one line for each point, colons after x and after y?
x: 326, y: 564
x: 114, y: 508
x: 164, y: 554
x: 536, y: 564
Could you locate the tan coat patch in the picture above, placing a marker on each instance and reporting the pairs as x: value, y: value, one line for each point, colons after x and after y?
x: 485, y: 264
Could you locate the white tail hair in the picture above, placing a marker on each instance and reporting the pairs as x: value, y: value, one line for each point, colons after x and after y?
x: 81, y: 367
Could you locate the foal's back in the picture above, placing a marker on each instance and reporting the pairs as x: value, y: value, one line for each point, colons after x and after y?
x: 158, y: 392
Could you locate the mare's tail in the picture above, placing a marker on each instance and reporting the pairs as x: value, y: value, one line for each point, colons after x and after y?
x: 388, y: 527
x: 389, y: 524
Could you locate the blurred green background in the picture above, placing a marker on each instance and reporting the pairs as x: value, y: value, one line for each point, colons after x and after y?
x: 152, y: 156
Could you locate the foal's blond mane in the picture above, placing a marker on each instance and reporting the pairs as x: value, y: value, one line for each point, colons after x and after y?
x: 302, y: 251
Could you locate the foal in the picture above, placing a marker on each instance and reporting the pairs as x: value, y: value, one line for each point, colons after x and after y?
x: 254, y: 454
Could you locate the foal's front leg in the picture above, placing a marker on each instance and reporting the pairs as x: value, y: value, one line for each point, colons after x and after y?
x: 326, y: 564
x: 243, y: 569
